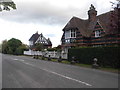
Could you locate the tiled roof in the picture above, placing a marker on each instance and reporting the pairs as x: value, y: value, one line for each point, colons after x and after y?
x: 86, y: 27
x: 34, y: 37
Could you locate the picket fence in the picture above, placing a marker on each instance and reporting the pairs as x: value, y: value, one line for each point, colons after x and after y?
x: 53, y: 54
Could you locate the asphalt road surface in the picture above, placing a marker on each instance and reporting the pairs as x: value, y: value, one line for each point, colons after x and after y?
x: 25, y: 72
x: 0, y: 71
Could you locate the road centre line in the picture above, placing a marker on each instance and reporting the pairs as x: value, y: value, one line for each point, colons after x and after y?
x: 87, y: 84
x: 67, y: 77
x: 29, y: 64
x: 18, y: 60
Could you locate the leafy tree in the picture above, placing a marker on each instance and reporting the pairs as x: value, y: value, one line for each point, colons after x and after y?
x: 13, y: 44
x: 38, y: 47
x: 52, y: 49
x: 7, y: 4
x: 21, y: 49
x: 58, y: 48
x: 5, y: 47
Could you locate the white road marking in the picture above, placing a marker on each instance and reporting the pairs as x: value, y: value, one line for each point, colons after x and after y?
x: 18, y: 60
x: 68, y: 77
x: 15, y: 59
x: 28, y: 64
x: 87, y: 84
x: 22, y: 60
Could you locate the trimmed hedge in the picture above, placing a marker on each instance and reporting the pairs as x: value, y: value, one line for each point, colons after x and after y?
x: 107, y: 56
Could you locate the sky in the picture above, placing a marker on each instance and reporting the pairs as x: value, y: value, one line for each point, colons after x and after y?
x: 48, y: 17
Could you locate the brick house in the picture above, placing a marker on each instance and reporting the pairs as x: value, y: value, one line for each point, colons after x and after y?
x: 39, y: 38
x: 95, y: 31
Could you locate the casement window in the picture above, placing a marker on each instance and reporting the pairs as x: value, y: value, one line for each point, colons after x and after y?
x: 30, y: 43
x: 70, y: 34
x: 67, y: 34
x: 73, y: 34
x: 97, y: 33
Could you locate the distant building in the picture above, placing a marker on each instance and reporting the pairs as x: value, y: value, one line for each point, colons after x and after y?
x: 95, y: 31
x: 39, y: 38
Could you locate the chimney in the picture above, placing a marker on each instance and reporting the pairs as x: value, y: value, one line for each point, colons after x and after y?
x: 36, y: 32
x: 92, y: 13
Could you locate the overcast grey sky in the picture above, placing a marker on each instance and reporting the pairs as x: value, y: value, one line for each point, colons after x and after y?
x: 45, y: 16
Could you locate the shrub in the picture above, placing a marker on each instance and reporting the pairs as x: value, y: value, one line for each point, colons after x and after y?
x: 107, y: 56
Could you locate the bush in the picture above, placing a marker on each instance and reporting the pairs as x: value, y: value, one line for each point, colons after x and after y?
x: 107, y: 56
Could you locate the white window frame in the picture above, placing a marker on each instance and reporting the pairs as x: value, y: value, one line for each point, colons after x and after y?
x: 73, y: 34
x: 70, y: 34
x: 97, y: 33
x: 67, y: 34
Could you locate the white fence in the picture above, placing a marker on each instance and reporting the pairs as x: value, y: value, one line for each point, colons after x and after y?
x: 52, y: 54
x: 30, y: 52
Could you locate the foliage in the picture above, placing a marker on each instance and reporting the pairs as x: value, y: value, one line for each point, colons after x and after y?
x: 52, y: 49
x: 58, y: 48
x: 21, y: 49
x: 38, y: 47
x: 7, y: 4
x: 13, y: 46
x: 4, y: 47
x: 107, y: 56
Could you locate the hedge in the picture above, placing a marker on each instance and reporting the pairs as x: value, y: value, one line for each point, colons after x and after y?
x: 107, y: 56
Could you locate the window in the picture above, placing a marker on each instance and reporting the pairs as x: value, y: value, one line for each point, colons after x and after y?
x: 70, y: 34
x: 67, y: 34
x: 73, y: 34
x: 97, y: 34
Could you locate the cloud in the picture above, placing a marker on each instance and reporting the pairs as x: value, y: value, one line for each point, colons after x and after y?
x: 41, y: 12
x: 47, y: 16
x: 50, y: 35
x: 45, y: 12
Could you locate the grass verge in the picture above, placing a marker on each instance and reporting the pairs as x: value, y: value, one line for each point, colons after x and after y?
x: 84, y: 65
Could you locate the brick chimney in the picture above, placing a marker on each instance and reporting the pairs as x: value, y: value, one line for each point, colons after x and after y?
x: 92, y: 13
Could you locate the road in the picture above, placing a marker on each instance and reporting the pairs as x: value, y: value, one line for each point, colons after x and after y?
x: 25, y: 72
x: 0, y: 71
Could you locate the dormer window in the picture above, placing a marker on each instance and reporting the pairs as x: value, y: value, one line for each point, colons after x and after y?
x: 70, y: 34
x: 73, y: 33
x: 97, y: 34
x: 67, y: 34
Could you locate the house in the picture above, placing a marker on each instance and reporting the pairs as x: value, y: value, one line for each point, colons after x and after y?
x: 39, y: 38
x: 95, y: 31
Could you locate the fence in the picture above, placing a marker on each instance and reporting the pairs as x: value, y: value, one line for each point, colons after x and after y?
x: 53, y: 54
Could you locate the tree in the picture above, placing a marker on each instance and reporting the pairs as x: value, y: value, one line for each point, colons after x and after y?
x: 13, y: 44
x: 7, y: 5
x: 5, y: 47
x: 58, y: 48
x: 38, y: 47
x: 21, y: 49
